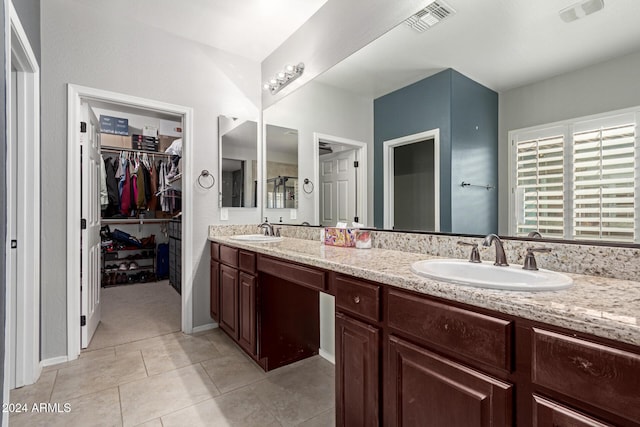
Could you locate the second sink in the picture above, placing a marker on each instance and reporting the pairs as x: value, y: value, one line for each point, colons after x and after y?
x: 256, y: 238
x: 487, y: 275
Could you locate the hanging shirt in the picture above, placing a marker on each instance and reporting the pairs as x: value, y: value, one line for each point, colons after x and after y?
x: 141, y: 198
x: 104, y: 196
x: 125, y: 200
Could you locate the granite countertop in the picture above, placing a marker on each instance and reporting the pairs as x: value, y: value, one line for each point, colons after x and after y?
x: 604, y: 307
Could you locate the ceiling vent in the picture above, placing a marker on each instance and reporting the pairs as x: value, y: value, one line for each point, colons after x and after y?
x: 430, y: 16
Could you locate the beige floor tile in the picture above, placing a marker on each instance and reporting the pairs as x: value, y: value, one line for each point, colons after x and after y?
x: 231, y: 372
x: 85, y: 357
x: 223, y: 343
x: 185, y: 350
x: 296, y: 395
x: 166, y: 339
x: 35, y: 393
x: 313, y: 363
x: 135, y: 312
x: 162, y: 394
x: 240, y: 408
x: 101, y: 409
x: 326, y: 419
x: 101, y: 374
x: 153, y: 423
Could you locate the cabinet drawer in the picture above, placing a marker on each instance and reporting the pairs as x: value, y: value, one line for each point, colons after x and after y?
x: 215, y: 251
x: 596, y: 374
x: 247, y: 261
x: 305, y: 276
x: 473, y: 335
x: 357, y: 297
x: 548, y: 413
x: 229, y: 256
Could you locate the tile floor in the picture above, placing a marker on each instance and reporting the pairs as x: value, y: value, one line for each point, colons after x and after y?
x: 155, y: 377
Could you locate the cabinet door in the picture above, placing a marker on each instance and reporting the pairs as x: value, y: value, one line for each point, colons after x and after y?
x: 215, y: 290
x: 229, y: 300
x: 357, y: 372
x: 425, y: 389
x: 247, y: 312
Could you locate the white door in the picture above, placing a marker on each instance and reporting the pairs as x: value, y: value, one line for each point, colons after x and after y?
x: 12, y: 227
x: 337, y: 188
x: 90, y: 236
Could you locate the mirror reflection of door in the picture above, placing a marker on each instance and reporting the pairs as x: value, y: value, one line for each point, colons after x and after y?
x: 413, y: 186
x: 337, y: 185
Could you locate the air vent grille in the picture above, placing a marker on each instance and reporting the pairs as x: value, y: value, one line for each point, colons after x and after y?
x: 430, y: 16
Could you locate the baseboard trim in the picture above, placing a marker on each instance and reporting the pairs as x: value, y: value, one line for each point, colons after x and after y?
x: 203, y: 328
x: 54, y: 361
x: 327, y: 356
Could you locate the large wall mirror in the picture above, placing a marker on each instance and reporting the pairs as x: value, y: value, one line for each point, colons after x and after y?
x: 281, y: 169
x: 466, y: 90
x: 238, y: 162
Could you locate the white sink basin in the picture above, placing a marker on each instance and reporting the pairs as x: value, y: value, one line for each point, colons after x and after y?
x: 256, y: 238
x: 487, y: 275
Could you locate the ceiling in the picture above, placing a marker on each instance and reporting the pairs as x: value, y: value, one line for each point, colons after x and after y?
x: 249, y: 28
x: 501, y: 44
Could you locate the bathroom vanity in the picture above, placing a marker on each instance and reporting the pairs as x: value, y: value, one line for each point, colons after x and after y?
x: 410, y: 349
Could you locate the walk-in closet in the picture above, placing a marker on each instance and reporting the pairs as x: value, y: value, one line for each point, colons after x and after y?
x: 140, y: 193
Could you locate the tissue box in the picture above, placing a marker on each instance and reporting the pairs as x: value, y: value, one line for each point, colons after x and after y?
x: 345, y: 237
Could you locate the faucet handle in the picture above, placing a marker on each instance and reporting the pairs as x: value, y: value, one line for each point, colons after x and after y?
x: 475, y: 255
x: 530, y: 259
x: 277, y: 233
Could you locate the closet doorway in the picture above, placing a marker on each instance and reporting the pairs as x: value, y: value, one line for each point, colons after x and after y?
x: 133, y: 155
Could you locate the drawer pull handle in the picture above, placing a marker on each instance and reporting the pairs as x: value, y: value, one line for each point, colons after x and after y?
x: 356, y: 299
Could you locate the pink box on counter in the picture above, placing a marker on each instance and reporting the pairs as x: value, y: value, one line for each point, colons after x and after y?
x: 345, y: 237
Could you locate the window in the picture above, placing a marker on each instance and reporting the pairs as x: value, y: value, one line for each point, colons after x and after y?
x: 577, y: 179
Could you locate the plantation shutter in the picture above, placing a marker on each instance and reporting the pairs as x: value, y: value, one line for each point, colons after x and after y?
x: 603, y: 183
x: 540, y: 184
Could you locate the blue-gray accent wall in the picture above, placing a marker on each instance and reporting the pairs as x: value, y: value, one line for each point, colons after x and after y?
x: 416, y: 108
x: 467, y: 115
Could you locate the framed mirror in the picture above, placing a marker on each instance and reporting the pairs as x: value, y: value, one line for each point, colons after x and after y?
x: 478, y: 90
x: 238, y: 162
x: 281, y: 168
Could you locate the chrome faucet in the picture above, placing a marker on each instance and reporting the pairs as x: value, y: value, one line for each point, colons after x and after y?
x: 501, y: 258
x: 268, y: 228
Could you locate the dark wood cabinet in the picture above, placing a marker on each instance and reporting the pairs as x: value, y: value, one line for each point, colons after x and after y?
x: 215, y: 290
x: 423, y: 388
x: 229, y: 300
x: 409, y: 359
x: 247, y: 312
x: 357, y: 372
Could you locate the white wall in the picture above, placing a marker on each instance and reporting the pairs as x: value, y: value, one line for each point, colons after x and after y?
x: 607, y: 86
x: 322, y: 109
x: 108, y: 52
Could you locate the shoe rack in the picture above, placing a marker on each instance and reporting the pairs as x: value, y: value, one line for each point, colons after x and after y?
x: 128, y: 265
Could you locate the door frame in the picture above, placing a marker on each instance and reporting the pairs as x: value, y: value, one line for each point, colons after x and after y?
x: 388, y: 173
x: 18, y: 52
x: 76, y: 93
x: 363, y: 161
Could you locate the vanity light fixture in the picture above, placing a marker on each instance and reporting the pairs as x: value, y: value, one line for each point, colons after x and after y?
x: 290, y: 73
x: 580, y: 10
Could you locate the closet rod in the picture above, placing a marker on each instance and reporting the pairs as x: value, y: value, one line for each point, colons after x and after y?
x: 130, y: 150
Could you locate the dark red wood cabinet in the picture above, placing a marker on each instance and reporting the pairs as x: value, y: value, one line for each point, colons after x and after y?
x: 215, y: 291
x: 357, y: 372
x: 408, y: 359
x: 229, y: 300
x: 426, y: 389
x: 247, y: 312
